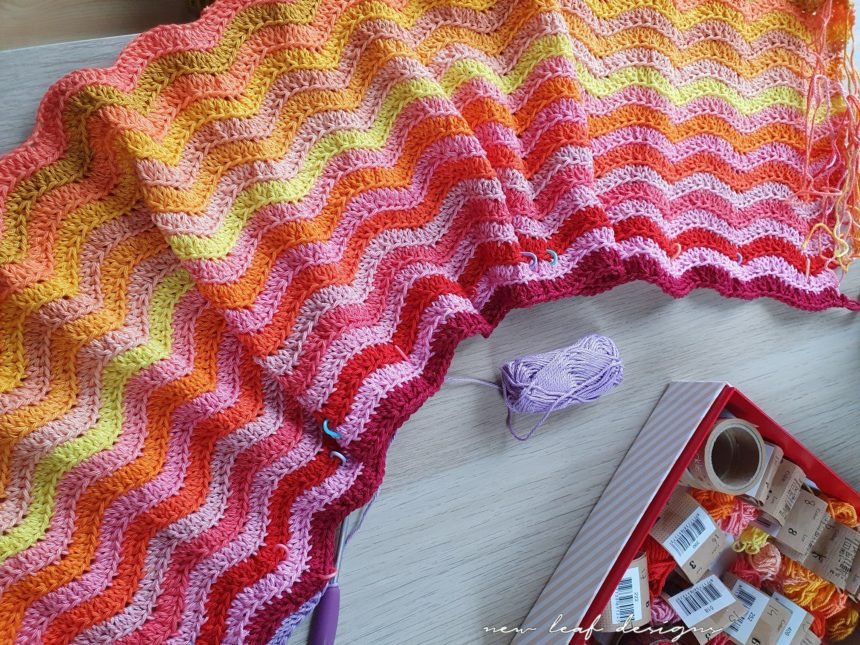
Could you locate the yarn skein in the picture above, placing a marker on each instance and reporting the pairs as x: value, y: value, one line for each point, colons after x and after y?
x: 543, y: 383
x: 842, y: 624
x: 719, y: 505
x: 744, y: 570
x: 662, y: 612
x: 766, y: 562
x: 842, y: 512
x: 809, y: 590
x: 731, y: 513
x: 751, y: 540
x: 660, y: 565
x: 742, y: 516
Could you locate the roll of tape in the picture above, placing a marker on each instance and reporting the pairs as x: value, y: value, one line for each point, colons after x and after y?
x: 730, y: 461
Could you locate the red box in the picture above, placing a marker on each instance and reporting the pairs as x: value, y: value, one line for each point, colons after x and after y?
x: 617, y: 526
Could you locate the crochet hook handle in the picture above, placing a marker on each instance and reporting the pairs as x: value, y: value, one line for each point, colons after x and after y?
x: 324, y: 624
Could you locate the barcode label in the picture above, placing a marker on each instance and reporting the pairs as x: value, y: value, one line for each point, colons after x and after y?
x: 699, y: 598
x: 703, y: 599
x: 794, y: 624
x: 755, y: 602
x: 746, y: 598
x: 625, y: 602
x: 684, y: 541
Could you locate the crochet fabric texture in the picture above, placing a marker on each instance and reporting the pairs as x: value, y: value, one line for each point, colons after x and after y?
x: 288, y: 213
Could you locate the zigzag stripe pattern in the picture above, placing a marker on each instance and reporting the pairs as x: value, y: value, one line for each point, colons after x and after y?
x: 291, y: 212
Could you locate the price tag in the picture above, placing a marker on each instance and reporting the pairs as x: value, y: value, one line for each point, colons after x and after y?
x: 758, y: 492
x: 691, y: 534
x: 853, y: 585
x: 764, y: 620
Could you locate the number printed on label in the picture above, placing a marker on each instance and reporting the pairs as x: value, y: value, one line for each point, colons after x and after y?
x: 792, y: 627
x: 803, y: 526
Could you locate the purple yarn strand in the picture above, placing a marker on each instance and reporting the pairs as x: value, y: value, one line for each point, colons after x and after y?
x: 291, y: 622
x: 543, y: 383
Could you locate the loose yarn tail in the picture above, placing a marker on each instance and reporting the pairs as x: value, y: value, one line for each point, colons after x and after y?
x: 834, y: 241
x: 543, y: 383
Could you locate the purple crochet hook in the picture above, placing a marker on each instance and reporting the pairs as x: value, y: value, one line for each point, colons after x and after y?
x: 324, y: 624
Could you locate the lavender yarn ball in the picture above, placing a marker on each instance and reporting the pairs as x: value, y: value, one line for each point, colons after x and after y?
x: 544, y: 383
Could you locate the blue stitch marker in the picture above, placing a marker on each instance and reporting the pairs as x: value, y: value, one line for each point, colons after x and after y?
x: 329, y: 431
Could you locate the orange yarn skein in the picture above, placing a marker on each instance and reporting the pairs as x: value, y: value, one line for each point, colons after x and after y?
x: 810, y: 591
x: 719, y: 505
x: 818, y: 626
x: 842, y: 624
x: 840, y: 511
x: 731, y: 513
x: 660, y: 565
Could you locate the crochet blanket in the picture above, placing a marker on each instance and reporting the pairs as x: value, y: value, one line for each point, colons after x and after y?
x: 287, y: 214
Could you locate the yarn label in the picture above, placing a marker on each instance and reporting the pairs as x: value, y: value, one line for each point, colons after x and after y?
x: 704, y: 599
x: 768, y: 525
x: 808, y: 638
x: 764, y: 620
x: 803, y: 526
x: 625, y: 601
x: 833, y: 554
x: 630, y: 604
x: 796, y: 631
x: 758, y: 492
x: 689, y: 534
x: 683, y: 542
x: 853, y: 585
x: 784, y: 489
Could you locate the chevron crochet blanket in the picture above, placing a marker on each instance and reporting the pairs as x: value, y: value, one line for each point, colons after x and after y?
x: 284, y: 217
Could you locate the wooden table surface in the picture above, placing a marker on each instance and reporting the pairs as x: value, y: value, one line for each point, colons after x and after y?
x: 470, y: 523
x: 37, y: 22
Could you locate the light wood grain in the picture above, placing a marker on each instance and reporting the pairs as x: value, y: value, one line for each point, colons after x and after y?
x: 470, y: 523
x: 26, y: 74
x: 34, y: 22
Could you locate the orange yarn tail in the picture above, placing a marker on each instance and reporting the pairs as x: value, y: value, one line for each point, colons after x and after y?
x: 833, y: 138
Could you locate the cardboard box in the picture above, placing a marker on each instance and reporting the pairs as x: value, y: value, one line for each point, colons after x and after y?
x: 614, y: 532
